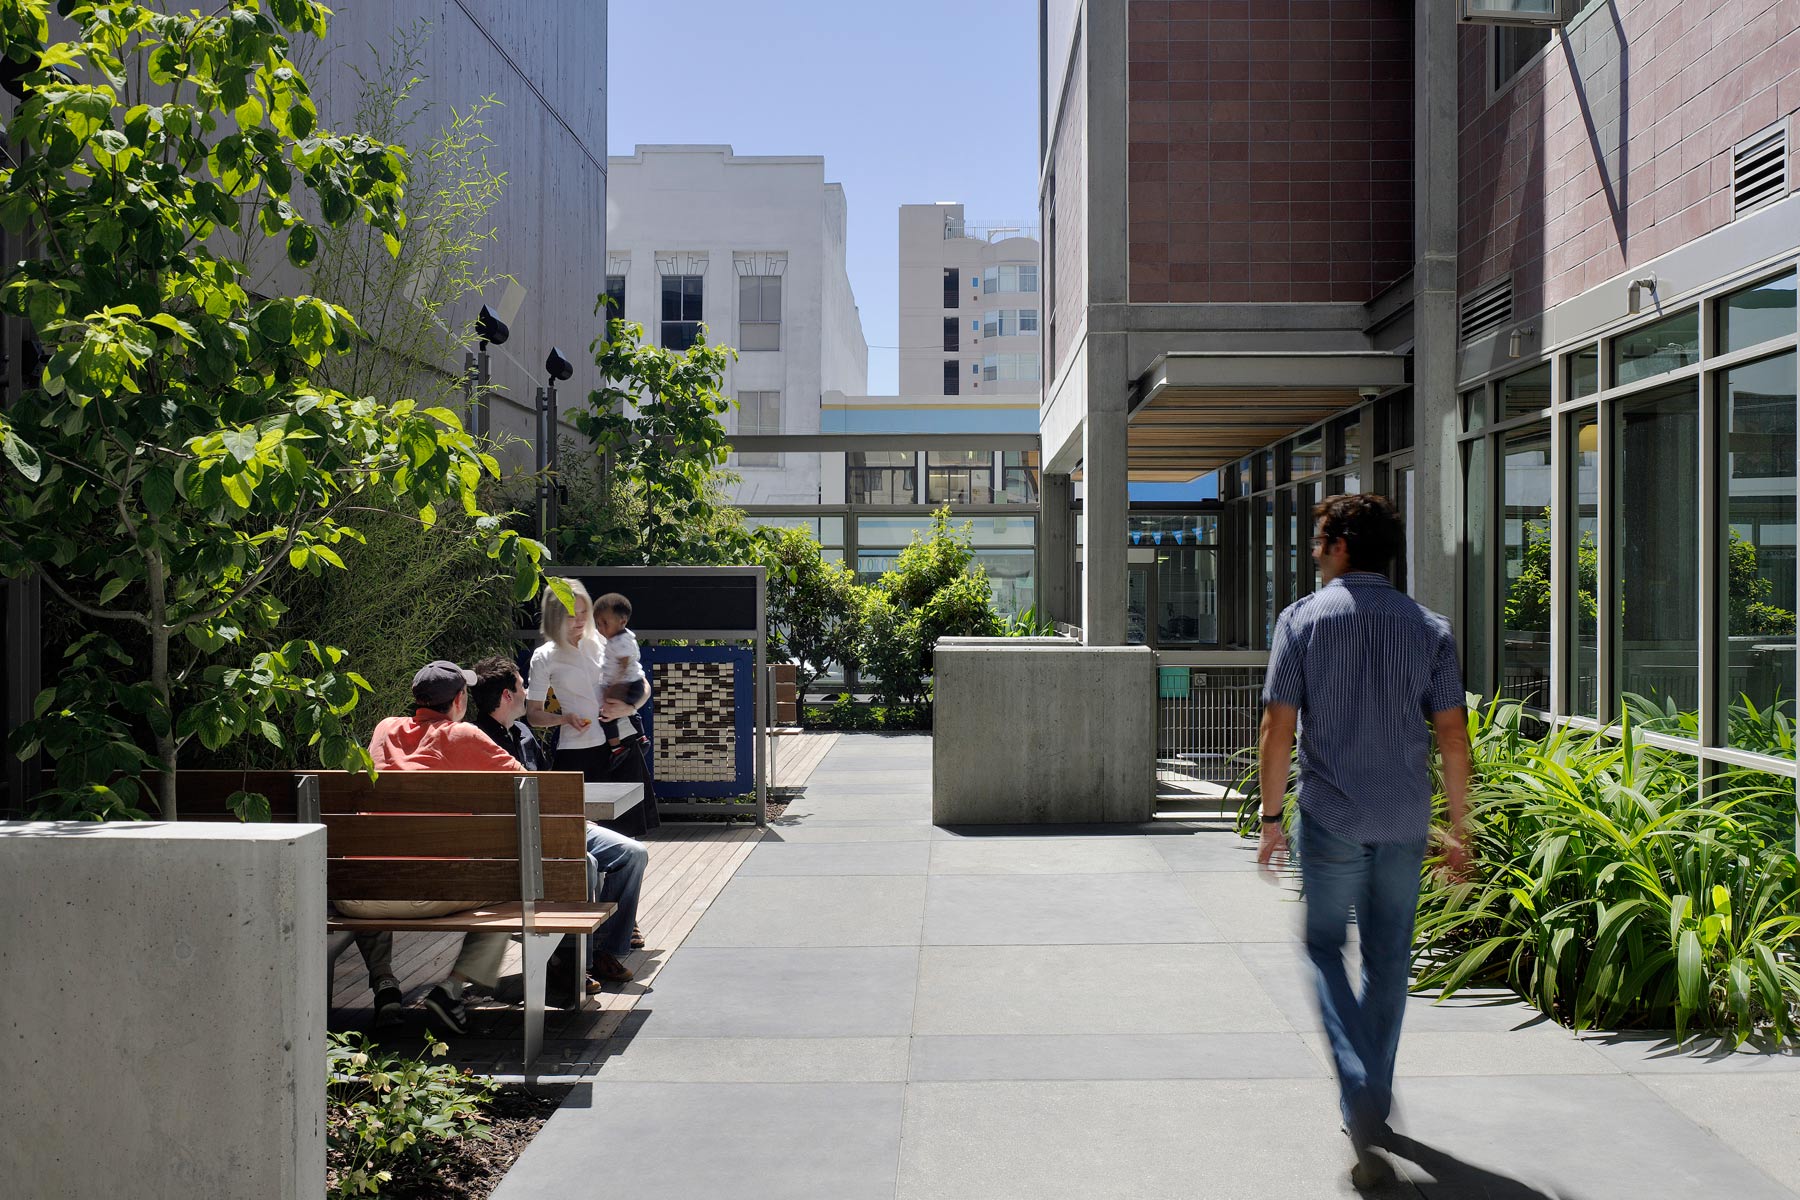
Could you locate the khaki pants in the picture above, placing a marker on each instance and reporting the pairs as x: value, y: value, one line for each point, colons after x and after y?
x: 481, y: 954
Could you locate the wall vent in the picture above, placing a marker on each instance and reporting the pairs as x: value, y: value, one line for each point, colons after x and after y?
x: 1486, y: 310
x: 1759, y: 172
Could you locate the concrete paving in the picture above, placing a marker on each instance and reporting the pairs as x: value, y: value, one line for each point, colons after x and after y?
x: 874, y: 1007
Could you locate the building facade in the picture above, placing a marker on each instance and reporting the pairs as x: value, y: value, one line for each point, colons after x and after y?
x: 752, y: 248
x: 969, y: 305
x: 1535, y: 283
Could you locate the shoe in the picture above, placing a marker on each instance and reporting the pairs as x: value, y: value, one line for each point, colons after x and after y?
x: 608, y: 969
x: 637, y: 938
x: 1371, y: 1170
x: 449, y: 1012
x: 390, y: 1003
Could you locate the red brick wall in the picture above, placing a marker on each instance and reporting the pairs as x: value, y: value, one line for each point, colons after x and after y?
x: 1689, y: 79
x: 1270, y: 149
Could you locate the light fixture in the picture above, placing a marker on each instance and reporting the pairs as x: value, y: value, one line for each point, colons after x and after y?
x: 1515, y: 345
x: 1634, y: 294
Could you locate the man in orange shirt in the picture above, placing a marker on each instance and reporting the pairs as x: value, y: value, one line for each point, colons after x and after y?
x: 434, y: 738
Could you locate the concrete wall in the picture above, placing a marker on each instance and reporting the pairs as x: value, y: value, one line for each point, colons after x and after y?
x: 162, y: 1030
x: 1074, y: 740
x: 702, y: 208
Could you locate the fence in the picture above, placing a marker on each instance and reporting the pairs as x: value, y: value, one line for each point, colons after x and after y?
x: 1208, y: 705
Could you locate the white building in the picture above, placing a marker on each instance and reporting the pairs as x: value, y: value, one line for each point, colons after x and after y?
x: 751, y: 247
x: 969, y: 306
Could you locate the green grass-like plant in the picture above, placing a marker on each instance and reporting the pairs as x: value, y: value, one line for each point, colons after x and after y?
x: 386, y: 1109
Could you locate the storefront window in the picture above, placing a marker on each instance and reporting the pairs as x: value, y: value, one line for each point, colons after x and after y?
x: 1525, y: 568
x: 1584, y: 373
x: 1477, y: 599
x: 1657, y: 349
x: 1657, y: 511
x: 881, y: 477
x: 959, y: 476
x: 1308, y: 455
x: 1757, y: 314
x: 1526, y: 392
x: 1187, y: 596
x: 1583, y: 532
x: 1760, y: 401
x: 1475, y: 409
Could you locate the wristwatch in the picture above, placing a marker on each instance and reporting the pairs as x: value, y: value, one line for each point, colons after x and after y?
x: 1274, y: 820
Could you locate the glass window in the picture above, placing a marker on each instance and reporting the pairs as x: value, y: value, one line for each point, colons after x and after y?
x: 1009, y: 322
x: 759, y: 413
x: 891, y: 531
x: 1583, y: 530
x: 1307, y: 454
x: 1350, y: 438
x: 952, y: 287
x: 682, y: 304
x: 952, y: 377
x: 1010, y: 278
x: 759, y: 312
x: 1028, y: 320
x: 1657, y: 514
x: 1187, y: 595
x: 1180, y: 529
x: 1477, y: 599
x: 1009, y: 367
x: 881, y: 477
x: 1760, y: 404
x: 615, y: 297
x: 1475, y: 406
x: 1757, y: 314
x: 1019, y: 478
x: 1657, y: 349
x: 1584, y: 372
x: 1012, y: 576
x: 952, y: 334
x: 1513, y: 48
x: 1525, y: 567
x: 1526, y: 392
x: 959, y: 476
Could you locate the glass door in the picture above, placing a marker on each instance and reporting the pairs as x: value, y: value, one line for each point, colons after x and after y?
x: 1139, y: 602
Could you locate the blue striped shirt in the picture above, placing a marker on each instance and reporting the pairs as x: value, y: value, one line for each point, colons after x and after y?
x: 1366, y: 665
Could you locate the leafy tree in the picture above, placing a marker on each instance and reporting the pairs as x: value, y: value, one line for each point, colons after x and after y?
x: 180, y: 452
x: 656, y: 414
x: 935, y: 590
x: 812, y: 604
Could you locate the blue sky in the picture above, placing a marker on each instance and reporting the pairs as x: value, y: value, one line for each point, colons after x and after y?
x: 909, y: 104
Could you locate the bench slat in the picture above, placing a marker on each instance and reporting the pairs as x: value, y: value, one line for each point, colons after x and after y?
x: 461, y: 835
x: 203, y: 793
x: 500, y: 918
x: 447, y: 879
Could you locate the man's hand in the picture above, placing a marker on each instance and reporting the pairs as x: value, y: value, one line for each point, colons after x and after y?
x: 1274, y: 842
x: 1457, y: 863
x: 614, y: 710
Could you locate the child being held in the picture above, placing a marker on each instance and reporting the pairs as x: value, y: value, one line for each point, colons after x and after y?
x: 622, y: 675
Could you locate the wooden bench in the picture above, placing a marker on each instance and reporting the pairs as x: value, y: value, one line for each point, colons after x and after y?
x: 513, y: 842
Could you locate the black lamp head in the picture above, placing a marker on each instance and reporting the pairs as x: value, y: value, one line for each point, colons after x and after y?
x: 490, y: 328
x: 559, y: 367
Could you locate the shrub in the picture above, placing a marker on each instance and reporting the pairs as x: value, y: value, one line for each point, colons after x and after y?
x: 384, y: 1109
x: 935, y: 590
x: 812, y: 604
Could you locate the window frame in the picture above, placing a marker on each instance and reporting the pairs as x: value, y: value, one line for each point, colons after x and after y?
x: 684, y: 324
x: 760, y: 320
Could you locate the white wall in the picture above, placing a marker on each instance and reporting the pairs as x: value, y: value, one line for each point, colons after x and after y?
x: 707, y: 206
x: 924, y: 254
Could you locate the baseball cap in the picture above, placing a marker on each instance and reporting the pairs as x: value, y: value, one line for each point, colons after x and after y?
x: 437, y: 683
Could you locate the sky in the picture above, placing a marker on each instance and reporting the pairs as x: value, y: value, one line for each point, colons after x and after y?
x: 909, y: 104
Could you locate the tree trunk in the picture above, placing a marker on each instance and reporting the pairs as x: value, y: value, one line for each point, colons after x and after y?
x: 159, y: 679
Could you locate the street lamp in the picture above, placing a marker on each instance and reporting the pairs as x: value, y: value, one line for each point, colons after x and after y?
x: 488, y: 328
x: 559, y: 369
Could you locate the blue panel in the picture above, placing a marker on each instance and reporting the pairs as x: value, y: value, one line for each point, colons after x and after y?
x: 1204, y: 488
x: 743, y: 724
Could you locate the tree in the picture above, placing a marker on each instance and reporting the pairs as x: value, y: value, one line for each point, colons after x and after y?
x: 656, y: 414
x: 935, y: 590
x: 812, y: 604
x: 180, y: 452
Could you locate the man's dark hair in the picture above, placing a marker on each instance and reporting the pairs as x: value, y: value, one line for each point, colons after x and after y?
x: 615, y: 604
x: 1369, y: 526
x: 493, y: 675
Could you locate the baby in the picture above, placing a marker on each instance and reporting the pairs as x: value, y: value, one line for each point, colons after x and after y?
x: 622, y: 676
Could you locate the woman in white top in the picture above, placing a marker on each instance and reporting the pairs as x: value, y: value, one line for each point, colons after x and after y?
x: 570, y: 663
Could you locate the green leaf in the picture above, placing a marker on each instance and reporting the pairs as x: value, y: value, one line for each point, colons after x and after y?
x: 276, y: 323
x: 241, y: 444
x: 250, y: 807
x: 24, y: 459
x: 302, y: 245
x: 111, y: 591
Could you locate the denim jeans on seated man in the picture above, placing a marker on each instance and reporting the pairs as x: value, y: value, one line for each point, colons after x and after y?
x: 615, y: 875
x: 1380, y: 880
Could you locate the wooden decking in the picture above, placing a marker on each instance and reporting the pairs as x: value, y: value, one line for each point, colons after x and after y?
x: 690, y: 864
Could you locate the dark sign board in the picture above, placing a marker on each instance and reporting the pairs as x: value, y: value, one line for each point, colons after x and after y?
x: 682, y: 601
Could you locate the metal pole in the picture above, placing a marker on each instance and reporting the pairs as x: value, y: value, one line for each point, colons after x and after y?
x: 553, y: 484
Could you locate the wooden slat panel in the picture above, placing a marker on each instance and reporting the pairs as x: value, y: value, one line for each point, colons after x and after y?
x: 559, y: 792
x: 460, y: 835
x: 201, y: 795
x: 484, y: 882
x: 499, y: 918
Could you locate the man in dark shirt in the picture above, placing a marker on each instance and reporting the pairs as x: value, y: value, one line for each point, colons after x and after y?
x: 498, y: 701
x: 1367, y: 675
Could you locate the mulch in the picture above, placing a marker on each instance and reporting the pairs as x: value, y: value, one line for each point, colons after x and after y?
x: 468, y: 1168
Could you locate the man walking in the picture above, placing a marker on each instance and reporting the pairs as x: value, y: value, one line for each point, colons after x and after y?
x: 1367, y: 674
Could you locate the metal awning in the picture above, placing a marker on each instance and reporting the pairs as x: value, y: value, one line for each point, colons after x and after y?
x: 1196, y: 411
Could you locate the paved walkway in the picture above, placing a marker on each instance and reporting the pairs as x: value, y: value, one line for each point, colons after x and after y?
x: 877, y: 1008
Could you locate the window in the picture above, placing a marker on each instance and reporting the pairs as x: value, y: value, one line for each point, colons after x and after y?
x: 1581, y: 608
x: 681, y: 310
x: 1018, y: 478
x: 1009, y: 322
x: 759, y: 413
x: 1657, y: 510
x: 881, y: 477
x: 1308, y: 454
x: 759, y: 312
x: 1524, y: 393
x: 959, y: 476
x: 952, y: 287
x: 1010, y: 278
x: 1525, y: 566
x: 1513, y: 48
x: 1657, y: 349
x: 1009, y: 367
x: 1584, y: 373
x: 952, y: 334
x: 952, y: 377
x: 615, y: 297
x: 1757, y: 314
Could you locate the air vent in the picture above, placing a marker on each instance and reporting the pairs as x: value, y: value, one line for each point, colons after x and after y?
x: 1486, y: 310
x: 1759, y: 170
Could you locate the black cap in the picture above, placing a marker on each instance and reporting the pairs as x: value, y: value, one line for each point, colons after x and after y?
x: 438, y: 683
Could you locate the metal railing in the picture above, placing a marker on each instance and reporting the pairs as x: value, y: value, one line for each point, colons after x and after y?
x: 1208, y: 705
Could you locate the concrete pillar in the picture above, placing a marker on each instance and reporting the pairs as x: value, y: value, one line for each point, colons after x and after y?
x: 1437, y: 507
x: 162, y: 1032
x: 1105, y: 470
x: 1055, y: 549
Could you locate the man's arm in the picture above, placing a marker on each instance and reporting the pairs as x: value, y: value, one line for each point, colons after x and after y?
x: 1452, y: 729
x: 1275, y: 748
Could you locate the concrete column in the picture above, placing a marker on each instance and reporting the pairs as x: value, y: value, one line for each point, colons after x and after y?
x: 1437, y: 508
x: 1105, y: 470
x: 163, y: 1027
x: 1055, y: 548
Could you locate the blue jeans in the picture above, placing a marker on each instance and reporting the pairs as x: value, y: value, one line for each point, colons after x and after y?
x: 620, y: 861
x: 1381, y: 882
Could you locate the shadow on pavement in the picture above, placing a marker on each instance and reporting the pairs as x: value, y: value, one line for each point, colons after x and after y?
x: 1454, y: 1179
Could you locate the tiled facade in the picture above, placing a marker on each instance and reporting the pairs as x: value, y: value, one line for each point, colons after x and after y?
x: 1570, y: 177
x: 1271, y: 149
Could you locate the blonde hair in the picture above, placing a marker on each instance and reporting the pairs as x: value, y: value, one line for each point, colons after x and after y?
x: 554, y: 620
